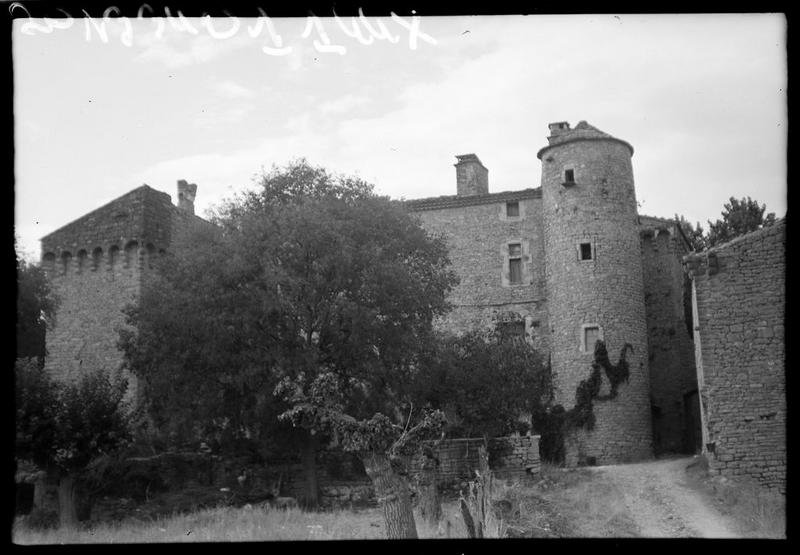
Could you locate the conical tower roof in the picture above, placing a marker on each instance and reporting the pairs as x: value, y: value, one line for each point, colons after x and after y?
x: 582, y: 132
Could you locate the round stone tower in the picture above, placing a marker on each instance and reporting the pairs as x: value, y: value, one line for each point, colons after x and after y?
x: 593, y: 271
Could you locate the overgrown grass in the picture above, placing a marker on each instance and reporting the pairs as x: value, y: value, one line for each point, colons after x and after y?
x: 572, y: 503
x: 228, y: 524
x: 757, y: 512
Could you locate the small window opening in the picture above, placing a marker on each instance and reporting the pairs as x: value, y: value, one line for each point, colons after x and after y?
x: 569, y: 176
x: 512, y: 209
x: 586, y: 251
x: 515, y: 264
x: 511, y: 331
x: 590, y: 336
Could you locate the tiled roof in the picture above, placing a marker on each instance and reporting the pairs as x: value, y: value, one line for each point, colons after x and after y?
x: 456, y: 201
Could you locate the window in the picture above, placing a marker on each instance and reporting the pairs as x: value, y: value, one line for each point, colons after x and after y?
x: 511, y: 331
x: 515, y: 264
x: 586, y: 251
x: 512, y: 209
x: 569, y: 176
x: 590, y: 336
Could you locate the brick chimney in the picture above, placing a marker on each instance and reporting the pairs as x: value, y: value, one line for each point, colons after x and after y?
x: 186, y: 194
x: 472, y: 178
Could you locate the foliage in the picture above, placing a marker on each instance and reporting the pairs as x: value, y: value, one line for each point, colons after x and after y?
x: 695, y: 235
x: 64, y: 427
x: 738, y: 217
x: 483, y: 382
x: 553, y: 423
x: 321, y: 406
x: 36, y: 306
x: 311, y: 272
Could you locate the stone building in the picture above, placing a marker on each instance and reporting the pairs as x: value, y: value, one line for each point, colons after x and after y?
x: 739, y: 291
x: 97, y: 265
x: 562, y: 264
x: 571, y: 262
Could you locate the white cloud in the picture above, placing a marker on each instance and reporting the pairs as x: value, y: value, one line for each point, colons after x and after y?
x: 231, y: 89
x: 343, y: 104
x: 175, y: 49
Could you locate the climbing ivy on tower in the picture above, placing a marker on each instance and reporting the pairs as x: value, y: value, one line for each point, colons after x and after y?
x: 555, y: 423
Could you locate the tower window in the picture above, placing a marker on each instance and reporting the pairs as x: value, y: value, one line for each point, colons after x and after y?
x: 515, y: 264
x: 569, y: 176
x: 512, y: 209
x: 591, y: 333
x: 586, y: 251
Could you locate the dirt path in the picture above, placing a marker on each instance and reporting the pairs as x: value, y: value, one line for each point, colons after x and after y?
x: 658, y: 499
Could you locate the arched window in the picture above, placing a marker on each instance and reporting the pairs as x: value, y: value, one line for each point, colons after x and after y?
x: 113, y: 255
x: 82, y: 257
x: 97, y: 258
x: 66, y: 260
x: 131, y: 252
x: 49, y: 262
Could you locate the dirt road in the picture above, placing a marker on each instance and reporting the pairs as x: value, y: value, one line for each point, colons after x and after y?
x: 658, y: 499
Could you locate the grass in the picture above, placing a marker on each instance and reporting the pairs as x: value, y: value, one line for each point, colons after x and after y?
x: 757, y: 512
x: 570, y: 503
x: 229, y: 524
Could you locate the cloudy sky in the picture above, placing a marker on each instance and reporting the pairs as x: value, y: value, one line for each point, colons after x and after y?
x: 701, y: 98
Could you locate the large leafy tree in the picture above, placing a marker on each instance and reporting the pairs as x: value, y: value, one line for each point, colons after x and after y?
x: 309, y: 274
x: 739, y: 216
x: 484, y: 383
x: 63, y: 427
x: 36, y: 306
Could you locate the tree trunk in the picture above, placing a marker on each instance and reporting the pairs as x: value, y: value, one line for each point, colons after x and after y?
x: 430, y: 504
x: 40, y: 491
x: 309, y: 456
x: 392, y: 492
x: 67, y: 512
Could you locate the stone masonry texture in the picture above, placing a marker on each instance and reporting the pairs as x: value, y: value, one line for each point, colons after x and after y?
x: 606, y: 291
x: 739, y: 291
x: 96, y: 266
x: 673, y: 379
x: 631, y: 288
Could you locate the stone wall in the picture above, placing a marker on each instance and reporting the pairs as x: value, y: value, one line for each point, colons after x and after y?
x: 739, y: 309
x: 673, y: 378
x: 509, y: 458
x: 478, y: 233
x: 96, y: 266
x: 603, y: 292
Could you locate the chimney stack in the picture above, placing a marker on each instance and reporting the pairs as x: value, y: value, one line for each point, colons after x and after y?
x: 472, y: 178
x: 558, y: 128
x: 186, y: 194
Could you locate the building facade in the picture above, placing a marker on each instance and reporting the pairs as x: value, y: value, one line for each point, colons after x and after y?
x: 562, y: 264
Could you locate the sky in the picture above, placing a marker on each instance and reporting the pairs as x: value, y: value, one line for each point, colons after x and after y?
x: 702, y: 99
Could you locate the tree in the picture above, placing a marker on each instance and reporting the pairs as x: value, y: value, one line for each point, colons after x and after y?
x: 311, y: 273
x: 484, y: 383
x: 62, y: 428
x: 695, y: 235
x: 738, y: 217
x: 326, y: 404
x: 36, y: 306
